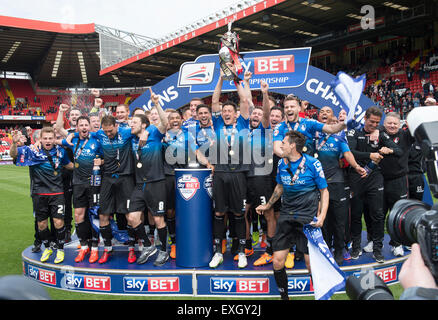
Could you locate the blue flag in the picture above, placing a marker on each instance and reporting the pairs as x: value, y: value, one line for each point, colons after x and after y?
x: 326, y: 275
x: 349, y: 91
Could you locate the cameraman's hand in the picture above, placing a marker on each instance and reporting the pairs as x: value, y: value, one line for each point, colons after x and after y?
x: 414, y: 273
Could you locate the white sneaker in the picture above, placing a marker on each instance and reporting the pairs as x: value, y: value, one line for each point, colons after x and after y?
x: 217, y: 259
x: 369, y: 247
x: 243, y: 261
x: 398, y: 251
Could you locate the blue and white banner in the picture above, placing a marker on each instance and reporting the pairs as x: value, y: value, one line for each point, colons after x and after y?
x: 279, y: 68
x: 287, y: 71
x: 326, y: 275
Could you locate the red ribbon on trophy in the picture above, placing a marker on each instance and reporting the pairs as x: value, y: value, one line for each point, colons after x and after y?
x: 229, y: 56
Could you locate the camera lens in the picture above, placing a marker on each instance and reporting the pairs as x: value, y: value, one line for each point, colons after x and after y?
x: 403, y: 220
x: 367, y: 286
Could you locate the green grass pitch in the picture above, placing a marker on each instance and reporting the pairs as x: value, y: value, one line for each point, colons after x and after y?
x: 17, y: 229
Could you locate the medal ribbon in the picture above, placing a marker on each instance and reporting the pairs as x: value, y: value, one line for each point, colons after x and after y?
x: 297, y: 172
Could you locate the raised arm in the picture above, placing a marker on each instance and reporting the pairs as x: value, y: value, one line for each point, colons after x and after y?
x: 59, y: 125
x: 264, y: 86
x: 215, y: 99
x: 245, y: 95
x: 163, y: 119
x: 13, y: 151
x: 334, y: 128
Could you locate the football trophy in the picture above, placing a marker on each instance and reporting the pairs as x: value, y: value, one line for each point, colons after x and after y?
x: 229, y: 56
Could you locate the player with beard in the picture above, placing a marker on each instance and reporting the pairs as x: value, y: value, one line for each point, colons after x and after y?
x: 259, y: 181
x: 303, y: 188
x: 229, y: 179
x: 150, y: 191
x: 117, y: 177
x: 328, y: 149
x: 308, y: 127
x: 85, y: 150
x: 47, y: 187
x: 180, y: 153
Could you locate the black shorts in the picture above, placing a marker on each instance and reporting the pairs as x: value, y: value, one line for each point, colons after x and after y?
x: 259, y: 190
x: 115, y: 194
x: 170, y: 192
x: 84, y: 195
x: 229, y: 192
x: 289, y: 232
x: 46, y: 206
x: 151, y: 195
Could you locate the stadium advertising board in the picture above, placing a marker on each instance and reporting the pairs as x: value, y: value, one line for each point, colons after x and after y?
x: 287, y: 71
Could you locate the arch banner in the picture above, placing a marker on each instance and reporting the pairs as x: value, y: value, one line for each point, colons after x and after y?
x: 287, y: 71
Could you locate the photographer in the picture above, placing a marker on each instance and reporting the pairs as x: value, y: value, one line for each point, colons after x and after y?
x: 416, y: 278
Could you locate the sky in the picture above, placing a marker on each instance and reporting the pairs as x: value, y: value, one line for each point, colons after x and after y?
x: 145, y: 17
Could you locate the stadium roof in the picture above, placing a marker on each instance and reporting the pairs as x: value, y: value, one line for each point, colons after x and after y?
x: 90, y: 55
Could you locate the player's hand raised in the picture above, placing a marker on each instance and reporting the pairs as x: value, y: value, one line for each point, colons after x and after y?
x: 155, y: 99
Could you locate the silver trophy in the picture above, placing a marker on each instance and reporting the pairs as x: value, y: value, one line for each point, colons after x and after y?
x: 229, y: 55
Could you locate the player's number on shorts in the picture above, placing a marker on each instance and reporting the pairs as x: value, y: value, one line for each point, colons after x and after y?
x: 161, y: 205
x: 61, y: 209
x: 262, y: 200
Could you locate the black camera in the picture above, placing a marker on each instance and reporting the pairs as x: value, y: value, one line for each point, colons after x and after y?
x: 412, y: 221
x: 367, y: 286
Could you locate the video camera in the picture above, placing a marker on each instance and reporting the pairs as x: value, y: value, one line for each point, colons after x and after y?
x: 412, y: 221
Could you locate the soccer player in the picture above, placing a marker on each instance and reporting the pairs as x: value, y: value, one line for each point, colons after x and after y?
x: 260, y: 184
x: 85, y: 149
x: 67, y: 175
x: 368, y: 153
x: 94, y: 122
x: 122, y: 114
x: 150, y: 190
x: 179, y: 153
x: 117, y: 179
x: 308, y: 127
x: 194, y: 103
x: 303, y: 188
x: 328, y: 149
x: 47, y: 187
x: 229, y: 179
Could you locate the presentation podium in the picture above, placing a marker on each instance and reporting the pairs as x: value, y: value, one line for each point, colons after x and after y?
x: 189, y: 274
x: 193, y: 215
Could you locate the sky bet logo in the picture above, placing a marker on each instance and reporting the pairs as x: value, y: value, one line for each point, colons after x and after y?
x: 299, y: 284
x: 239, y: 285
x: 45, y: 276
x: 96, y: 283
x: 273, y: 65
x: 143, y: 284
